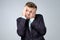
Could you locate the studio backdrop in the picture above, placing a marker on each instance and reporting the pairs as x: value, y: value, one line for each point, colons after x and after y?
x: 10, y: 10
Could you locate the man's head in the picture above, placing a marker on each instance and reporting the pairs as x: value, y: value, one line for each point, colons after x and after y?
x: 30, y: 10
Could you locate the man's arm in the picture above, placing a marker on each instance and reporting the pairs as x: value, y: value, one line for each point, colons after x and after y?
x: 39, y: 25
x: 21, y: 26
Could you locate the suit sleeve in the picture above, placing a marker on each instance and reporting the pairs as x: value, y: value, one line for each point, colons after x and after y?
x: 21, y: 26
x: 39, y: 25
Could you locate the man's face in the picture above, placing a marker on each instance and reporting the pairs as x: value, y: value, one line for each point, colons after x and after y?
x: 29, y: 12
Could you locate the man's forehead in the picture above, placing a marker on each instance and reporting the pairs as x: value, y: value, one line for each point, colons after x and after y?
x: 26, y: 7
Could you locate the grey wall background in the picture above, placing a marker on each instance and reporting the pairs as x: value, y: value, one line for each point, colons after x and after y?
x: 10, y: 10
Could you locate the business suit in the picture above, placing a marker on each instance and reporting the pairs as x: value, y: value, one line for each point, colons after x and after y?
x: 38, y: 28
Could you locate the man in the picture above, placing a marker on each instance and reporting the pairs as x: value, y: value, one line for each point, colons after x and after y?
x: 31, y: 25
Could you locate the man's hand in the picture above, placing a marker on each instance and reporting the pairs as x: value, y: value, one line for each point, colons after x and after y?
x: 32, y: 16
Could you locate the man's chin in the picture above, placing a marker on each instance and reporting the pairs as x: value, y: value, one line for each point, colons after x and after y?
x: 28, y: 17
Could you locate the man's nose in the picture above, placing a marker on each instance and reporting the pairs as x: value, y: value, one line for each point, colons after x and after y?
x: 28, y: 13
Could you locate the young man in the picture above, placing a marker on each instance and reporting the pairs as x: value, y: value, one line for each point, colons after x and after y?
x: 31, y: 25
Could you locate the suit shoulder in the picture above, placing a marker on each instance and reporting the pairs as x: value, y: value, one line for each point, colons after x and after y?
x: 18, y: 18
x: 39, y: 15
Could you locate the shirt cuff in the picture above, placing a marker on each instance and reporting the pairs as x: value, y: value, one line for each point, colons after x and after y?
x: 23, y: 17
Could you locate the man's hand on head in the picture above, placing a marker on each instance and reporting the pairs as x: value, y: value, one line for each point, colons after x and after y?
x: 29, y: 16
x: 29, y: 12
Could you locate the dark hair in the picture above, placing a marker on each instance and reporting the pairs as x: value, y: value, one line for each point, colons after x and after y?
x: 31, y: 4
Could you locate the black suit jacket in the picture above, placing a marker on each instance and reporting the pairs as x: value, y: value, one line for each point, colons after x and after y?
x: 38, y: 28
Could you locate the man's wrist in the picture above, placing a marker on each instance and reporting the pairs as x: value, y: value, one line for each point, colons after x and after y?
x: 23, y: 17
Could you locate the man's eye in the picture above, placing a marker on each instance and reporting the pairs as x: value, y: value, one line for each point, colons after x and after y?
x: 30, y: 11
x: 26, y: 10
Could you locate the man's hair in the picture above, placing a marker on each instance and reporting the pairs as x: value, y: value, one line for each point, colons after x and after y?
x: 31, y: 4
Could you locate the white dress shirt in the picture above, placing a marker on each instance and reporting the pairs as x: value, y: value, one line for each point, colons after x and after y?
x: 30, y: 21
